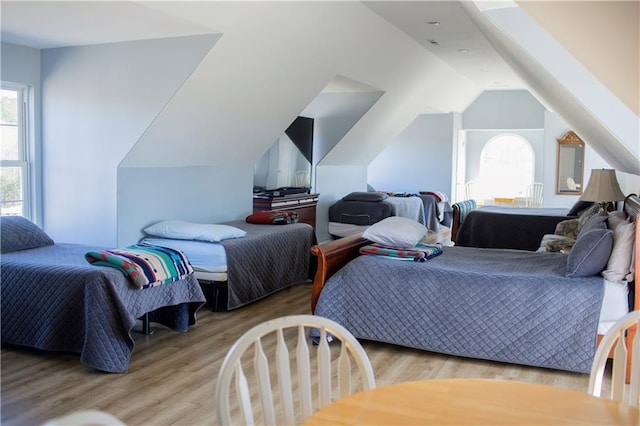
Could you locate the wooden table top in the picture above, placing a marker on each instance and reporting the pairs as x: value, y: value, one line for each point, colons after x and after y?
x: 473, y: 401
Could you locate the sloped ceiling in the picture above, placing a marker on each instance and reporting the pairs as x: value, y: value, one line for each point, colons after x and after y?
x: 283, y: 54
x: 347, y: 38
x: 562, y: 83
x: 603, y: 35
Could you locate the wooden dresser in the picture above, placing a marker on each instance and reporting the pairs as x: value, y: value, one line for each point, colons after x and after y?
x: 303, y: 204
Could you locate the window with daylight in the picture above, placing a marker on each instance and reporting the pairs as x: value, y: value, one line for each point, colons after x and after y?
x: 507, y: 166
x: 14, y: 164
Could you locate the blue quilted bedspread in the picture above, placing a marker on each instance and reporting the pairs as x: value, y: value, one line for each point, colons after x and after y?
x: 502, y: 305
x: 53, y: 299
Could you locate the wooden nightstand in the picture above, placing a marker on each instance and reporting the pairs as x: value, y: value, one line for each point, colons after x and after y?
x: 303, y: 204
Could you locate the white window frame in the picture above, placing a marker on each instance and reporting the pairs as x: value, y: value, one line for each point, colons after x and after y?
x: 490, y: 191
x: 24, y: 138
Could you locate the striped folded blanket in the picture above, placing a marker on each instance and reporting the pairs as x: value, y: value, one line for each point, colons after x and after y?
x: 273, y: 217
x: 419, y: 253
x: 145, y: 265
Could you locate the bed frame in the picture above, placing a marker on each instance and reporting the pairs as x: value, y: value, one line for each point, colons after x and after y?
x: 335, y: 254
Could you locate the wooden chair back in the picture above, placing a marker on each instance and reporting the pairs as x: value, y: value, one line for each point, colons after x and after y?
x: 314, y: 368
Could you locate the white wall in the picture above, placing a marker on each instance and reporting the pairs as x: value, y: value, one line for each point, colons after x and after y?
x: 422, y: 155
x: 333, y: 183
x: 419, y: 159
x: 504, y: 109
x: 335, y: 114
x: 216, y: 101
x: 97, y: 101
x: 150, y: 194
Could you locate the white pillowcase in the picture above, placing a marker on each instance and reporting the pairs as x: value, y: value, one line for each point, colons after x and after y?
x: 396, y: 232
x: 181, y: 230
x: 621, y: 257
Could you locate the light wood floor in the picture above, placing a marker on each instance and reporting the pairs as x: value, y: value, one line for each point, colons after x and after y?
x: 171, y: 376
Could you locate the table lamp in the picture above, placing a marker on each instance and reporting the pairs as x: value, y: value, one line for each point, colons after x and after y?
x: 602, y: 188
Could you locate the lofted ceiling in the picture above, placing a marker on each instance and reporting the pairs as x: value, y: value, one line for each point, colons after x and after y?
x: 464, y: 35
x: 45, y: 24
x: 445, y: 29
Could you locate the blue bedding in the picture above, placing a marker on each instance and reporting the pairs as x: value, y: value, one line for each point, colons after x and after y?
x: 53, y: 299
x: 502, y: 305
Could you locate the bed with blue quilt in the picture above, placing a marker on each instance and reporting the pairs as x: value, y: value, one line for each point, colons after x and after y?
x: 240, y: 262
x: 516, y: 306
x: 54, y: 299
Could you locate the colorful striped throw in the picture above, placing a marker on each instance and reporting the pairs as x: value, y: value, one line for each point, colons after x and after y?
x: 419, y: 253
x: 145, y: 265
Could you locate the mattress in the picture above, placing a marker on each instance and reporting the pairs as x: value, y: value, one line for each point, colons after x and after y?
x: 615, y: 304
x: 209, y: 260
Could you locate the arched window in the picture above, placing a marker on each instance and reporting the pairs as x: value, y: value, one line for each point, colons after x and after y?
x: 507, y: 166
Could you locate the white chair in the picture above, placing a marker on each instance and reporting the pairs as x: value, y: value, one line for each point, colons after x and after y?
x: 534, y: 195
x: 85, y: 418
x: 278, y: 407
x: 470, y: 189
x: 571, y: 184
x: 625, y: 361
x: 301, y: 179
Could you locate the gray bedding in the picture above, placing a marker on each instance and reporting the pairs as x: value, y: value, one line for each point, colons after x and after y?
x: 435, y: 213
x: 508, y: 227
x: 269, y: 258
x: 503, y: 305
x: 53, y: 299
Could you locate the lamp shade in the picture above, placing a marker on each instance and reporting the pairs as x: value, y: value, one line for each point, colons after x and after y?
x: 602, y: 187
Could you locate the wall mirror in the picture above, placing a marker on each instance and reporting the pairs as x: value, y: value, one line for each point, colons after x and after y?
x: 570, y: 165
x: 287, y: 164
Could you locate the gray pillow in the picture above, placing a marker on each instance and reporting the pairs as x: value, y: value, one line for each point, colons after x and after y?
x: 19, y: 233
x: 373, y: 197
x: 598, y: 221
x: 590, y: 253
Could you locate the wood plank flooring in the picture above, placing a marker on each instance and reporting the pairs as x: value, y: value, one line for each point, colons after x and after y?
x: 171, y: 376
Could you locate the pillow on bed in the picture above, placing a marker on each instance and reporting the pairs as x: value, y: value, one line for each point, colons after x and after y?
x: 373, y: 197
x: 621, y: 258
x: 18, y: 233
x: 597, y: 221
x: 590, y: 253
x: 181, y: 230
x: 396, y: 232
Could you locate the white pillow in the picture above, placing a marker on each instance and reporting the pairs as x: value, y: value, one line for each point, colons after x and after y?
x: 621, y: 257
x: 396, y: 231
x: 181, y: 230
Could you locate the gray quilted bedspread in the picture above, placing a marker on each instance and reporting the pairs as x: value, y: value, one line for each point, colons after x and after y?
x: 269, y: 258
x: 502, y: 305
x: 53, y: 299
